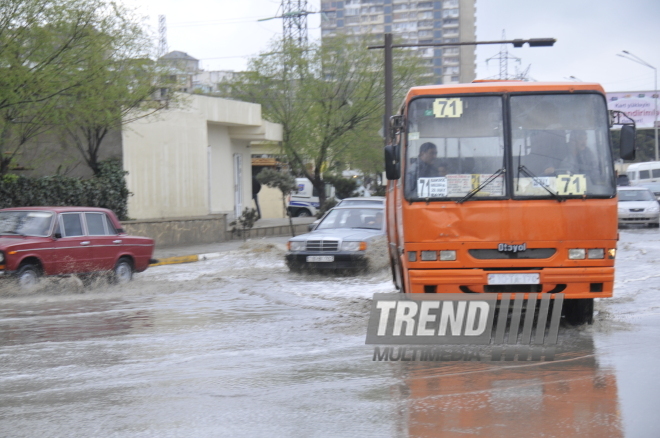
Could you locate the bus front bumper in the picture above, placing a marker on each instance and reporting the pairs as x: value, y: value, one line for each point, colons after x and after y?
x: 592, y: 282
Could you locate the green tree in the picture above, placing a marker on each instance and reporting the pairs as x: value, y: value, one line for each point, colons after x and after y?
x: 328, y: 99
x: 64, y: 63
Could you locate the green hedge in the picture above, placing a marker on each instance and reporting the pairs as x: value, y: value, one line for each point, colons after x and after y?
x: 106, y: 190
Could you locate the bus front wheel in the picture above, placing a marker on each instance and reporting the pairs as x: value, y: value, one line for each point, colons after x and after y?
x: 579, y: 311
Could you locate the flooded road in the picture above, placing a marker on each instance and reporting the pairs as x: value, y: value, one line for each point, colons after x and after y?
x: 239, y: 347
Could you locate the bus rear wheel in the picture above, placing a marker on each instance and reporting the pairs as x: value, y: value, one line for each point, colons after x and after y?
x: 579, y: 311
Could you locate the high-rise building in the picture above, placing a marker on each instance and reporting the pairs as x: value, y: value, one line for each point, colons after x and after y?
x: 413, y: 21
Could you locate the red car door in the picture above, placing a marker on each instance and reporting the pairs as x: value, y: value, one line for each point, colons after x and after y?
x: 105, y: 244
x: 73, y: 248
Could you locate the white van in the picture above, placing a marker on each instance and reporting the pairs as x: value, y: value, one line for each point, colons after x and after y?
x: 642, y: 173
x: 305, y: 201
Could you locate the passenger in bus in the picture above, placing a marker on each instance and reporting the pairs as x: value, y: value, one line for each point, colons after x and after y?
x: 579, y: 160
x: 442, y: 169
x: 424, y: 167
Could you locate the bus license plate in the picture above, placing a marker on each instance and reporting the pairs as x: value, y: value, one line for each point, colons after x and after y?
x: 513, y: 279
x: 320, y: 258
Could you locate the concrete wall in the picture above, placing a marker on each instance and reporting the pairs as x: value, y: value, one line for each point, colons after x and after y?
x: 52, y: 153
x: 183, y: 231
x: 166, y: 160
x: 181, y: 161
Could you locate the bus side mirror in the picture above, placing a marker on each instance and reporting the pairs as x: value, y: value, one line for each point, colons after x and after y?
x: 392, y: 162
x: 627, y: 143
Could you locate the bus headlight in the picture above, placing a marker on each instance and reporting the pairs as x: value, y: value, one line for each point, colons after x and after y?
x: 576, y: 254
x: 448, y: 255
x: 596, y: 253
x: 429, y: 256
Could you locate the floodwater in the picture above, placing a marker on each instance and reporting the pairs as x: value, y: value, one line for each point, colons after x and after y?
x: 239, y: 347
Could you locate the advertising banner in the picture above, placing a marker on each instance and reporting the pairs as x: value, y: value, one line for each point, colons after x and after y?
x: 638, y: 105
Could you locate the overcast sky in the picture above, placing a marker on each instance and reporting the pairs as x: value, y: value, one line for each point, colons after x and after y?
x: 223, y: 34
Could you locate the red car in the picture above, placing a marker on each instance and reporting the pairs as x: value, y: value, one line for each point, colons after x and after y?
x: 37, y: 241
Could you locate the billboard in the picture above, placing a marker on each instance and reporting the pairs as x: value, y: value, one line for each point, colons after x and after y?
x: 638, y: 105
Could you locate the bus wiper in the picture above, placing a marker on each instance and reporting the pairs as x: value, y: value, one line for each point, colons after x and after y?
x: 538, y: 181
x: 480, y: 188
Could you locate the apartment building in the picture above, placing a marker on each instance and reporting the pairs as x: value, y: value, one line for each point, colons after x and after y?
x: 412, y: 21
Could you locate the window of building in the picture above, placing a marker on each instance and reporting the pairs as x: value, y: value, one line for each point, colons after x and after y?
x: 450, y: 4
x: 450, y: 40
x: 425, y: 34
x: 425, y: 24
x: 449, y: 21
x: 451, y: 60
x: 425, y: 5
x: 451, y: 51
x: 400, y: 16
x: 425, y: 15
x: 451, y: 70
x: 351, y: 11
x: 454, y: 79
x: 450, y: 13
x: 426, y: 52
x: 403, y: 7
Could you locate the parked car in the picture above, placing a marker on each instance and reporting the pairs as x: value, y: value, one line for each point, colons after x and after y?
x: 346, y: 202
x: 304, y: 201
x: 36, y: 241
x: 347, y: 238
x: 638, y: 205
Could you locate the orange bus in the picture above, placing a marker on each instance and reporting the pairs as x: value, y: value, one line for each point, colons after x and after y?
x: 505, y: 186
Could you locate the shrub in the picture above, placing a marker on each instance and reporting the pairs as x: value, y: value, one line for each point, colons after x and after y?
x: 107, y: 190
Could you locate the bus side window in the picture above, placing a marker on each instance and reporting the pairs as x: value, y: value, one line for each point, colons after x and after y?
x: 644, y: 174
x: 655, y: 173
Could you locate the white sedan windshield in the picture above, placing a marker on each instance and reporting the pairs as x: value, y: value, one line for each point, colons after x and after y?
x: 369, y: 218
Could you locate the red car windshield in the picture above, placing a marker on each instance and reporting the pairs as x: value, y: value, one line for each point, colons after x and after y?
x: 25, y: 223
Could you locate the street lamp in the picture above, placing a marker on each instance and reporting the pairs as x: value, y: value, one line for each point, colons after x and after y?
x: 627, y: 55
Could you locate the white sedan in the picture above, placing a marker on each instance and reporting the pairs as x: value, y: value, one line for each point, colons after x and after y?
x: 638, y: 205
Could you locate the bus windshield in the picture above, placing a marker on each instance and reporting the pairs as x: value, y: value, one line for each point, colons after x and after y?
x: 454, y: 145
x: 559, y: 144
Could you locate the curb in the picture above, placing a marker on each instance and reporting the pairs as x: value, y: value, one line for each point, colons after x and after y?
x: 185, y: 259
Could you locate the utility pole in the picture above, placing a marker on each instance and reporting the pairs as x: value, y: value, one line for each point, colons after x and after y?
x: 632, y: 57
x: 162, y: 36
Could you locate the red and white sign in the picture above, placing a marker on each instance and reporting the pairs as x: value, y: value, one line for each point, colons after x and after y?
x: 638, y: 105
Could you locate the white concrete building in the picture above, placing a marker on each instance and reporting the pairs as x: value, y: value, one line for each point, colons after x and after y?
x: 194, y: 160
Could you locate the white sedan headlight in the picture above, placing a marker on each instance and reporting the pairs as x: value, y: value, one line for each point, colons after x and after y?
x: 353, y: 246
x: 653, y: 209
x: 622, y: 211
x: 297, y: 245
